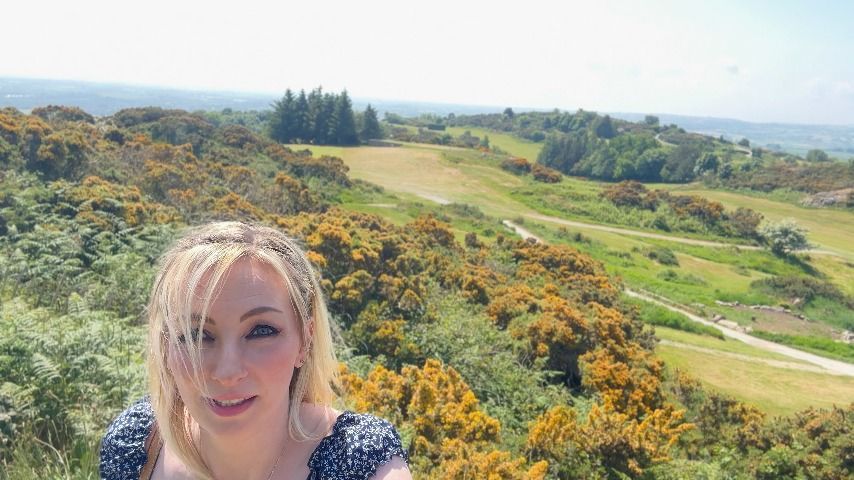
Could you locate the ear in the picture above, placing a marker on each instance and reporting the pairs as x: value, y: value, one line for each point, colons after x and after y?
x: 306, y: 348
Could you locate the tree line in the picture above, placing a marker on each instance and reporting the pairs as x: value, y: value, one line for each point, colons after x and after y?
x: 321, y: 118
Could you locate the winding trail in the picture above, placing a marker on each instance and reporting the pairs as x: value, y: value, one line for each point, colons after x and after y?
x: 746, y: 358
x: 637, y: 233
x: 824, y: 365
x: 735, y: 146
x: 657, y: 236
x: 659, y: 140
x: 828, y: 365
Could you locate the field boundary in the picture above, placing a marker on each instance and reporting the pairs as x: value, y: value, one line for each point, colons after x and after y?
x: 656, y: 236
x: 834, y: 367
x: 827, y: 365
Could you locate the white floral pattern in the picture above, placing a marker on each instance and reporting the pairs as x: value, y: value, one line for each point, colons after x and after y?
x: 357, y: 446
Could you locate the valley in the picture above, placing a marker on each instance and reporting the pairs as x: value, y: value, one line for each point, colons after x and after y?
x: 707, y: 271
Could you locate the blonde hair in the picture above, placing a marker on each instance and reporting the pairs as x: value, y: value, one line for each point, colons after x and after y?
x: 208, y: 252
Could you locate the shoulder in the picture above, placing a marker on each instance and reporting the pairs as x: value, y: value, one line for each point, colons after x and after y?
x: 357, y: 447
x: 123, y: 446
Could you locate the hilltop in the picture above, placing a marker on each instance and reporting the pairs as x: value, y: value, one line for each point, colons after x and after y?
x: 497, y: 356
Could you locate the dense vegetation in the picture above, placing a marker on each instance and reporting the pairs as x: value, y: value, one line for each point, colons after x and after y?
x: 504, y: 359
x: 322, y: 119
x: 600, y: 147
x: 741, y: 223
x: 810, y: 295
x: 436, y: 136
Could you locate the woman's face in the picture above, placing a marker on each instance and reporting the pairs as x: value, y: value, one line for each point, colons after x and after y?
x: 250, y: 347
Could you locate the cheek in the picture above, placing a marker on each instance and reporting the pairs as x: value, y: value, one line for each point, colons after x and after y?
x: 275, y: 364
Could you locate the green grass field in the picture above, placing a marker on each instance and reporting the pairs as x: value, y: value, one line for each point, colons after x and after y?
x: 419, y: 178
x: 445, y: 174
x: 511, y: 144
x: 729, y: 346
x: 318, y: 150
x: 828, y: 228
x: 774, y: 390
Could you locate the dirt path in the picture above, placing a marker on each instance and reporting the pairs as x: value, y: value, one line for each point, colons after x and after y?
x: 636, y: 233
x: 824, y: 365
x: 658, y: 236
x: 525, y: 234
x: 834, y: 367
x: 746, y: 358
x: 736, y: 147
x: 659, y: 140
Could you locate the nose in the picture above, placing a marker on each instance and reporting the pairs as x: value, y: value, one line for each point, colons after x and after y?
x: 226, y: 364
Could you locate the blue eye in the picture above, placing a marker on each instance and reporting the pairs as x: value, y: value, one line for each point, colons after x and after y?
x: 263, y: 331
x: 195, y: 336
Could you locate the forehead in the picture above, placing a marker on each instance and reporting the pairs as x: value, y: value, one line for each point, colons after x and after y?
x: 247, y: 280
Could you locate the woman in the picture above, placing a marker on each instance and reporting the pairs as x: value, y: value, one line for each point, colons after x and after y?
x: 240, y: 368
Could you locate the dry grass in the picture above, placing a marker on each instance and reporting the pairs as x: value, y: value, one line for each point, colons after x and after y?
x: 776, y: 391
x: 830, y: 229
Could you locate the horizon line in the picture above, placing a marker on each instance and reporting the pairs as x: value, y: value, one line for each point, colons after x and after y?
x: 259, y: 93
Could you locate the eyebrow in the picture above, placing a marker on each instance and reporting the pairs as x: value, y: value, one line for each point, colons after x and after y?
x: 250, y: 313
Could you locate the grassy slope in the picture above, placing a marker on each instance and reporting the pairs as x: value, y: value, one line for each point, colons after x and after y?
x: 414, y: 174
x: 777, y: 391
x: 723, y: 345
x: 509, y: 143
x: 463, y: 176
x: 828, y: 228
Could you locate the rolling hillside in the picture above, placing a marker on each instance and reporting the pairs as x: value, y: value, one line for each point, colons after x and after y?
x: 496, y: 356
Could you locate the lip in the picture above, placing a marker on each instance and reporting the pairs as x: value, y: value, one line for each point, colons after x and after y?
x: 232, y: 410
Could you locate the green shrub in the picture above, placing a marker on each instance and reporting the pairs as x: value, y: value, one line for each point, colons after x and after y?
x: 819, y: 345
x: 776, y: 464
x: 662, y: 255
x: 64, y: 376
x: 669, y: 275
x: 686, y: 469
x: 784, y: 237
x: 807, y: 289
x: 657, y: 315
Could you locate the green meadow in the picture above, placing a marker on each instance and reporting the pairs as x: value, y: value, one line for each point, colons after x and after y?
x: 518, y: 147
x: 452, y: 183
x: 436, y: 174
x: 777, y: 391
x: 829, y: 229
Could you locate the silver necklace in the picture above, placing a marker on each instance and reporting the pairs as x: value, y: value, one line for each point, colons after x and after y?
x: 276, y: 465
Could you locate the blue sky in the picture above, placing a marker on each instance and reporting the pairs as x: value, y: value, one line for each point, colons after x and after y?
x: 780, y: 61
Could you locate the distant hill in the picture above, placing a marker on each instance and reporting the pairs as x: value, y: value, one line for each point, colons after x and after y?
x: 836, y: 140
x: 103, y: 99
x: 106, y: 99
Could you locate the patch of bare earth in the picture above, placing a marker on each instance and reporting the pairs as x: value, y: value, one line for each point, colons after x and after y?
x: 785, y: 322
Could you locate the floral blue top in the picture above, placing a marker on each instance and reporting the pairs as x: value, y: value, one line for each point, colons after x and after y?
x: 357, y: 446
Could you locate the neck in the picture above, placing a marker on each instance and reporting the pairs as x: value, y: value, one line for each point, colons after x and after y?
x: 252, y: 456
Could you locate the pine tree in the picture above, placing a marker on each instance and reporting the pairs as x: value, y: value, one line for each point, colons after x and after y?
x: 370, y: 124
x: 604, y: 128
x: 317, y: 116
x: 284, y: 119
x: 327, y: 126
x: 302, y: 127
x: 346, y: 128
